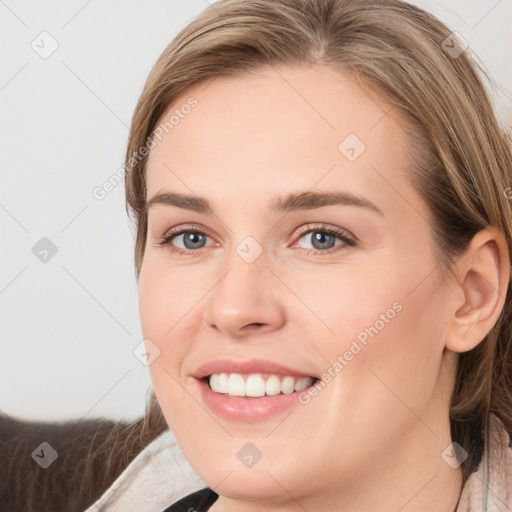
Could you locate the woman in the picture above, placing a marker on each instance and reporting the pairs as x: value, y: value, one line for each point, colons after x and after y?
x: 321, y: 193
x: 370, y: 368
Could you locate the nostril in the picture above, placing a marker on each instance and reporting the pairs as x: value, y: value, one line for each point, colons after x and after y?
x: 252, y: 326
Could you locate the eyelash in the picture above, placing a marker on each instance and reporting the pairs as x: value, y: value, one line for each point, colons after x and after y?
x: 347, y: 241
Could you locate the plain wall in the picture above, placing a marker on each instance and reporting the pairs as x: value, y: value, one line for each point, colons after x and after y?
x: 69, y: 321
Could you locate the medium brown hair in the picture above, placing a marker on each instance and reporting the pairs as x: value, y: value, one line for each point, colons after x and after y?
x: 461, y: 156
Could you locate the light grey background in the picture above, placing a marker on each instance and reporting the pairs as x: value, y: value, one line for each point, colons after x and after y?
x: 69, y: 326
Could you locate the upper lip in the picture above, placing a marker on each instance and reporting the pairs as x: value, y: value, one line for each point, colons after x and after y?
x: 250, y: 366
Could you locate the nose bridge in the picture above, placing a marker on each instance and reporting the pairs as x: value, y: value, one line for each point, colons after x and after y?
x: 244, y: 273
x: 245, y: 251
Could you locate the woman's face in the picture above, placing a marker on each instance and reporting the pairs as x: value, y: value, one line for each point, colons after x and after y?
x: 287, y: 284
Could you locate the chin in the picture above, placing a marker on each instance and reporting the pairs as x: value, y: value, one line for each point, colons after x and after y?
x: 250, y: 484
x: 233, y: 469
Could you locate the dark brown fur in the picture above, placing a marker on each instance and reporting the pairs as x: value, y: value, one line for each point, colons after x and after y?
x: 91, y: 455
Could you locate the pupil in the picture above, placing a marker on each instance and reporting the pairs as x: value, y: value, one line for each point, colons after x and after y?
x: 190, y: 238
x: 321, y: 237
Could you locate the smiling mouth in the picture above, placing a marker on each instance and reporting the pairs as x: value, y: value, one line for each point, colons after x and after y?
x: 256, y: 385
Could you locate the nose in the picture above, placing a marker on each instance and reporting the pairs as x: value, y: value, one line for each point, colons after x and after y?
x: 245, y: 299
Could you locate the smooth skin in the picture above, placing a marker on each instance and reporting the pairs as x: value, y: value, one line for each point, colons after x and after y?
x: 372, y: 439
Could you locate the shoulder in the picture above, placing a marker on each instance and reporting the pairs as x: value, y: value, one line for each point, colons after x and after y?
x: 492, y: 481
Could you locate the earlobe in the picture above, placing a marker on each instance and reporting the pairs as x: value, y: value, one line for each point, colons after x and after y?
x: 485, y: 274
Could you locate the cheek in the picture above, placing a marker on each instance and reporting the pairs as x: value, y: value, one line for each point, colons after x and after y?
x: 166, y: 299
x: 164, y: 307
x: 400, y: 353
x: 348, y: 305
x: 381, y: 319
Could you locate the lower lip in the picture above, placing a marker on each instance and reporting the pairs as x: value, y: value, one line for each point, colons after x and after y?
x: 247, y: 409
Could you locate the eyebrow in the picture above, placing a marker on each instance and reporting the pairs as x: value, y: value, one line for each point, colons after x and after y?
x: 281, y: 204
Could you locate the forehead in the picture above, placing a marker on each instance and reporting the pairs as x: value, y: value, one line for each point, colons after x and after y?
x: 275, y: 130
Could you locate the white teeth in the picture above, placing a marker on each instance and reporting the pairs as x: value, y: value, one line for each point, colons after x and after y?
x: 256, y: 385
x: 214, y: 381
x: 219, y: 382
x: 236, y: 385
x: 302, y: 383
x: 288, y: 385
x: 223, y: 383
x: 273, y: 385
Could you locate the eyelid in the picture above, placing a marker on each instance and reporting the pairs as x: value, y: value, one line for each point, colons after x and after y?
x: 185, y: 227
x: 311, y: 226
x: 321, y: 226
x: 180, y: 230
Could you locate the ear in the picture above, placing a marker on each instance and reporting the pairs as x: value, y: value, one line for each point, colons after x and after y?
x: 484, y: 274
